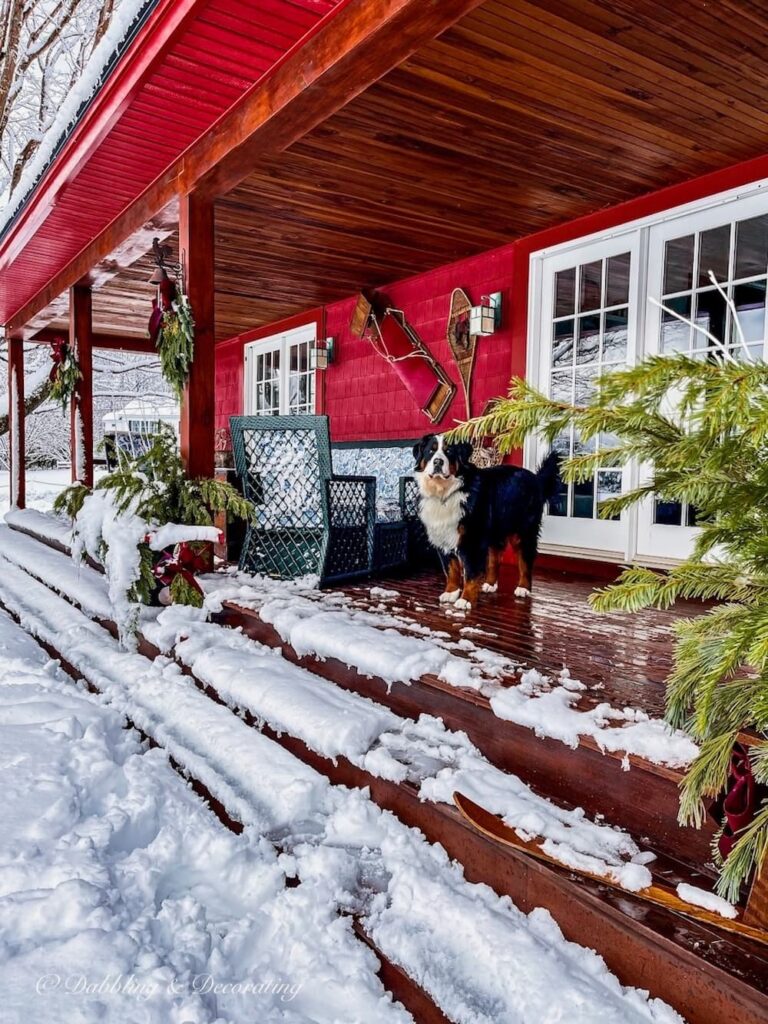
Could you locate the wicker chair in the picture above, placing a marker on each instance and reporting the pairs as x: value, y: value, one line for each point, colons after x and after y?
x: 307, y: 521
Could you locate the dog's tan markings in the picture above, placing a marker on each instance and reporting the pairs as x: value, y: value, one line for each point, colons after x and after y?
x: 525, y: 572
x: 491, y: 584
x: 453, y: 580
x: 469, y: 594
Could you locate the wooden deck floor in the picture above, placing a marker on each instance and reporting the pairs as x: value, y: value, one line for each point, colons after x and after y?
x: 623, y: 659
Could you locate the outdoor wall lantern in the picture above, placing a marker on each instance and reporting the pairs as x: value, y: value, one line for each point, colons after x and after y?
x: 321, y: 355
x: 485, y: 318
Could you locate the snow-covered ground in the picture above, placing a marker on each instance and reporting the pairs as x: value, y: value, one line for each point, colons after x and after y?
x: 42, y: 487
x: 123, y: 899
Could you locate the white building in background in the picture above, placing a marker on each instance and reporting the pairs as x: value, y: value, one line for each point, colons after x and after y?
x: 131, y: 428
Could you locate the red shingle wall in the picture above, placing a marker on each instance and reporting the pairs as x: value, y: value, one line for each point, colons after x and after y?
x: 361, y: 393
x: 364, y: 397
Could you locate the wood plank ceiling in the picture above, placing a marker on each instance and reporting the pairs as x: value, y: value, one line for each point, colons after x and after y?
x: 524, y: 115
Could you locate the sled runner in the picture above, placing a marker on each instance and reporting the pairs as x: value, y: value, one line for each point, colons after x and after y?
x: 661, y: 895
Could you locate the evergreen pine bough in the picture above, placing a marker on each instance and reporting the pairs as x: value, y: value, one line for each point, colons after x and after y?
x: 702, y: 425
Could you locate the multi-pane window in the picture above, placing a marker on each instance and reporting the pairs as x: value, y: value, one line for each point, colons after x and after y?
x: 737, y: 255
x: 590, y: 333
x: 279, y: 378
x: 301, y: 379
x: 267, y: 383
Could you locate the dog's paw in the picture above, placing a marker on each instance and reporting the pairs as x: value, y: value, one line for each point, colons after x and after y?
x: 450, y: 596
x: 522, y: 592
x: 463, y: 605
x: 490, y: 588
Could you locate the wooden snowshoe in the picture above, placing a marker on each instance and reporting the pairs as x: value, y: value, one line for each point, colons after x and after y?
x: 664, y: 896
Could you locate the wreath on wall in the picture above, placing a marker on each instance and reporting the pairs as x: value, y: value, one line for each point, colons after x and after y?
x: 65, y: 373
x: 171, y: 324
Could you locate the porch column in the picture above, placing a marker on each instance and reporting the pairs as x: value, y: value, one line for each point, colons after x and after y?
x: 16, y: 418
x: 81, y: 410
x: 196, y: 249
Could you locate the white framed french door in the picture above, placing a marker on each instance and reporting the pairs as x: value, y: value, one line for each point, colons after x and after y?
x: 731, y: 241
x: 594, y: 304
x: 279, y: 379
x: 588, y: 324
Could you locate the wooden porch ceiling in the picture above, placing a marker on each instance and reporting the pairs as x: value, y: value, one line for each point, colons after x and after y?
x: 522, y: 116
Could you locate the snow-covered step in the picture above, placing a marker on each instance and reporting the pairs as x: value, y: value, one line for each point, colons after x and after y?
x: 79, y: 583
x: 485, y: 978
x: 229, y: 758
x: 46, y: 528
x: 335, y: 723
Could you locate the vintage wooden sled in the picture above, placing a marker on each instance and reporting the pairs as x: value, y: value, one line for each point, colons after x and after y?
x: 658, y: 893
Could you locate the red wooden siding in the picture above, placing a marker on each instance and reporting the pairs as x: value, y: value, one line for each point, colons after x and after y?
x: 365, y: 398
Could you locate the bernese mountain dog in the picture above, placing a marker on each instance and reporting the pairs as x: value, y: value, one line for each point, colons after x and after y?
x: 471, y: 514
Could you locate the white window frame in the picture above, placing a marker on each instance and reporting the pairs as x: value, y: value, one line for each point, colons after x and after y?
x: 643, y: 541
x: 281, y: 342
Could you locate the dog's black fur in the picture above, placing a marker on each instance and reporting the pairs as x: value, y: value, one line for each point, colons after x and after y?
x: 492, y: 508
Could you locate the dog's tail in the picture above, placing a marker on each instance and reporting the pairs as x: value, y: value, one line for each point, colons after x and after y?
x: 548, y: 475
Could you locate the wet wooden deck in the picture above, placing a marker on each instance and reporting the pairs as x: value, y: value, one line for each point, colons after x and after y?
x: 623, y: 659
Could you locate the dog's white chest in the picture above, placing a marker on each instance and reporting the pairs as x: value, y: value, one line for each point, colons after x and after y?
x: 441, y: 518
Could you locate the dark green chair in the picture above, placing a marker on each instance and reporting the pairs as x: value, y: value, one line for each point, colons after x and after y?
x: 306, y: 520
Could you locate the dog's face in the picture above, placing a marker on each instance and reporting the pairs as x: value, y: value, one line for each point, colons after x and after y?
x: 439, y: 466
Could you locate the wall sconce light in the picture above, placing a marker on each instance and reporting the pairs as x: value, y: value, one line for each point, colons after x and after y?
x: 321, y: 355
x: 486, y: 318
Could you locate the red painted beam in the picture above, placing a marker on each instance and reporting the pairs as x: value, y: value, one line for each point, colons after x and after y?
x: 111, y: 342
x: 16, y: 433
x: 350, y: 50
x: 81, y: 408
x: 196, y: 248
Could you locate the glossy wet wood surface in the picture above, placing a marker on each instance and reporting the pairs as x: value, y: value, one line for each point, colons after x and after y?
x: 623, y: 659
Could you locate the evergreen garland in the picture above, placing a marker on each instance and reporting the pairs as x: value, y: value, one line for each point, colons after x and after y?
x: 176, y: 342
x: 182, y: 592
x: 64, y: 375
x: 703, y: 426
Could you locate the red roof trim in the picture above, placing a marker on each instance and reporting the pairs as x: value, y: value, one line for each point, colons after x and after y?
x: 164, y: 23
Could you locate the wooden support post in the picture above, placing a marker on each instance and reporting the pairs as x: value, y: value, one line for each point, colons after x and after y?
x: 81, y: 410
x: 16, y: 417
x: 196, y: 249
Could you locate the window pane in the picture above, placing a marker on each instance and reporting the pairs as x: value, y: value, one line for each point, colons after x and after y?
x: 585, y: 385
x: 582, y: 447
x: 562, y: 444
x: 711, y: 311
x: 565, y: 292
x: 675, y: 335
x: 584, y: 500
x: 668, y: 513
x: 590, y: 290
x: 588, y: 342
x: 561, y: 387
x: 617, y: 280
x: 751, y: 247
x: 714, y: 249
x: 678, y: 265
x: 608, y: 486
x: 749, y: 300
x: 562, y: 346
x: 615, y: 336
x: 294, y: 350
